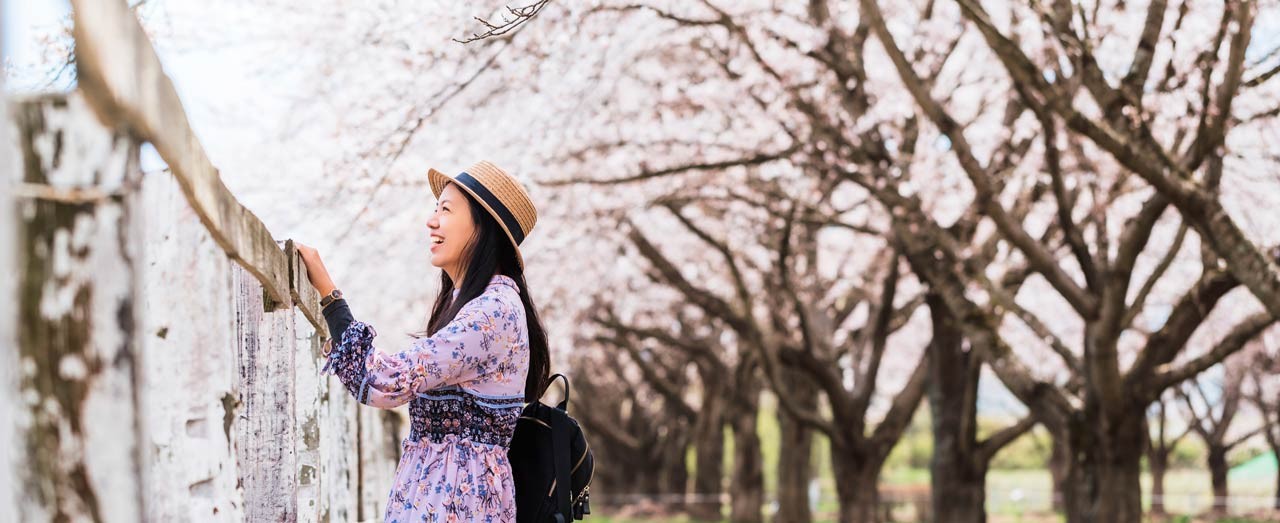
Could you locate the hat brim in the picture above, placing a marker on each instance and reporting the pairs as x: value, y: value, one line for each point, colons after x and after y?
x: 438, y: 180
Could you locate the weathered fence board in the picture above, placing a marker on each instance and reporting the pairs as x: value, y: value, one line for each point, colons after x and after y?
x: 78, y: 239
x: 228, y: 376
x: 265, y: 448
x: 186, y: 372
x: 326, y: 442
x: 380, y: 448
x: 192, y: 373
x: 10, y: 163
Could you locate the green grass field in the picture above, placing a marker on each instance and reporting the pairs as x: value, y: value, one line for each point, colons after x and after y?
x: 1023, y: 496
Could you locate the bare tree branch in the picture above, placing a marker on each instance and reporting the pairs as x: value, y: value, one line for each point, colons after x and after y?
x: 1232, y: 343
x: 519, y: 16
x: 647, y: 173
x: 990, y: 446
x: 1140, y: 299
x: 664, y: 387
x: 1187, y: 315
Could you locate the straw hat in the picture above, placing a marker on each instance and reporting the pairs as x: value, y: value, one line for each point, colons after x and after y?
x: 499, y: 193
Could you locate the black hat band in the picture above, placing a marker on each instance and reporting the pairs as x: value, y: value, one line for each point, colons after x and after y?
x: 494, y: 203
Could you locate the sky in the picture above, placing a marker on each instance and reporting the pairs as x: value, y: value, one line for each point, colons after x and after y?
x: 22, y: 21
x: 211, y: 78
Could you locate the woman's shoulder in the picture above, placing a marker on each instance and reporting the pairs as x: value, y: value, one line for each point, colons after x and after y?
x: 503, y: 282
x: 500, y: 298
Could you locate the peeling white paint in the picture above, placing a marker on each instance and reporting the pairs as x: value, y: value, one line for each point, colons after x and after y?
x: 72, y: 367
x: 189, y: 370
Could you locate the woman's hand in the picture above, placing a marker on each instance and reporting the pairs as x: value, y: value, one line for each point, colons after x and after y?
x: 316, y: 272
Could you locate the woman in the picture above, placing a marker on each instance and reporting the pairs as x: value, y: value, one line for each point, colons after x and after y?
x: 484, y: 354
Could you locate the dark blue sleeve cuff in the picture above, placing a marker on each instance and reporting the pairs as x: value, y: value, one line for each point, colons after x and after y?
x: 338, y: 316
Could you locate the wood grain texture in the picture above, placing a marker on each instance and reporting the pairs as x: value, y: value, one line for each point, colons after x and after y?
x: 265, y: 447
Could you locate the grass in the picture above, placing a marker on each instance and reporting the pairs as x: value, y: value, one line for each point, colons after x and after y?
x: 1021, y: 495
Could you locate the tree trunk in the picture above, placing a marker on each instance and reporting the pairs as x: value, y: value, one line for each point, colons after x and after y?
x: 957, y: 475
x: 675, y: 480
x: 1218, y: 477
x: 709, y: 458
x: 747, y: 483
x: 795, y: 463
x: 1058, y: 468
x: 856, y: 485
x: 1104, y: 466
x: 1276, y: 504
x: 649, y: 477
x: 1158, y: 462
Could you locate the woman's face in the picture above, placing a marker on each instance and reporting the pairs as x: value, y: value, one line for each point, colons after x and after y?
x: 451, y: 230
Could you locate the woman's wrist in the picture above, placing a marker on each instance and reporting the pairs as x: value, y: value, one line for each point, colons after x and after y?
x: 325, y: 288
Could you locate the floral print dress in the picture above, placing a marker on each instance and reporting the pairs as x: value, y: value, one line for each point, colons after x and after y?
x: 465, y: 390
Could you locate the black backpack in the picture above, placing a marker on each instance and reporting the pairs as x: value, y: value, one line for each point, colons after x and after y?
x: 551, y: 462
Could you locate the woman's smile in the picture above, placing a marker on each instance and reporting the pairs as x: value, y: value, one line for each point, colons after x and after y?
x: 451, y: 219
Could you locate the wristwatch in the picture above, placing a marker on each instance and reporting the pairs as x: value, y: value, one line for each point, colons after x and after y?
x: 325, y: 301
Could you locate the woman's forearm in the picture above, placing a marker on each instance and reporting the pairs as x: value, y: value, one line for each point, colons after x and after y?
x: 317, y: 274
x: 320, y: 279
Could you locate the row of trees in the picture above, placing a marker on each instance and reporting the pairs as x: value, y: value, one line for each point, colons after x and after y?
x: 863, y: 205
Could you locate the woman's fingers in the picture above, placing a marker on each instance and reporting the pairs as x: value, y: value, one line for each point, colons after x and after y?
x: 308, y: 254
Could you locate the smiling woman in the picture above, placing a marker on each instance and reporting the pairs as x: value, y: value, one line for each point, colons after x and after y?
x: 452, y: 219
x: 466, y: 378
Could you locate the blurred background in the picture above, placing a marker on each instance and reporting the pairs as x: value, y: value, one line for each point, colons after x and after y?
x: 923, y: 260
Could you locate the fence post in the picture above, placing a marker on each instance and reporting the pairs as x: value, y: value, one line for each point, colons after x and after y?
x: 78, y: 251
x: 8, y: 311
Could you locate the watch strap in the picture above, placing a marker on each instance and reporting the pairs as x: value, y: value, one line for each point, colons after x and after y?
x: 330, y: 298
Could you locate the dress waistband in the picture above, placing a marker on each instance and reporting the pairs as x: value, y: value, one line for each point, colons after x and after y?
x: 438, y: 414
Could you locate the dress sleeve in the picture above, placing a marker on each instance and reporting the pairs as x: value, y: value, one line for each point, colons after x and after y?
x: 466, y: 348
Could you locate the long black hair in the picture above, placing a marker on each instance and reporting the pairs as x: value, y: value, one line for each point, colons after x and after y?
x: 490, y: 252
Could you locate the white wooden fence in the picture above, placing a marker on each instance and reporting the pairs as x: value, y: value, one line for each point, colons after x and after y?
x: 160, y: 355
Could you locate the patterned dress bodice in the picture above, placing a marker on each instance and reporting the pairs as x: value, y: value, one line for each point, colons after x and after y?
x: 453, y: 410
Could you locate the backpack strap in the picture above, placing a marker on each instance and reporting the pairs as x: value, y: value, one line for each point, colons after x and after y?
x: 564, y: 404
x: 560, y: 454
